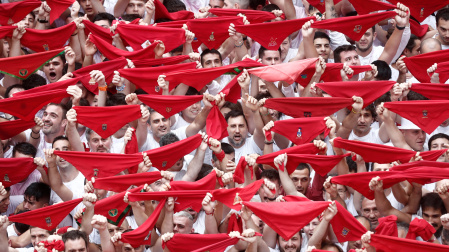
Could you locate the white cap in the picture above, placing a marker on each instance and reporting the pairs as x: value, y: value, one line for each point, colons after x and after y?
x: 406, y: 125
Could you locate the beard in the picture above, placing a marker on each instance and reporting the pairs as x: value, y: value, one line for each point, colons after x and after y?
x: 370, y: 45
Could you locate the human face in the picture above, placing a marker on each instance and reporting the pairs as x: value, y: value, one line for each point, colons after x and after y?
x: 364, y: 123
x: 432, y: 216
x: 78, y: 245
x: 191, y: 112
x: 284, y: 48
x: 4, y: 202
x: 113, y: 229
x: 5, y: 48
x: 271, y: 57
x: 262, y: 86
x: 343, y: 192
x: 381, y: 167
x: 322, y: 47
x: 366, y: 42
x: 438, y: 144
x: 103, y: 23
x: 292, y: 245
x: 350, y: 57
x: 27, y: 21
x: 128, y: 248
x: 182, y: 225
x: 193, y: 213
x: 309, y: 228
x: 62, y: 145
x: 98, y: 144
x: 136, y: 7
x: 237, y: 130
x: 30, y: 203
x: 369, y: 210
x: 269, y: 198
x: 159, y: 125
x: 415, y: 50
x: 415, y: 138
x: 53, y: 122
x: 211, y: 60
x: 358, y: 244
x: 227, y: 4
x: 38, y: 235
x: 301, y: 179
x: 15, y: 90
x: 216, y: 3
x: 53, y: 69
x: 259, y: 222
x: 87, y: 7
x: 443, y: 30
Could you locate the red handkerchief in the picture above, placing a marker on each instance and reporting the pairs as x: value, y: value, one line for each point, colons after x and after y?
x: 278, y: 31
x: 59, y: 85
x: 253, y: 16
x: 232, y: 90
x: 6, y: 31
x: 58, y: 7
x: 168, y: 105
x: 22, y: 66
x: 368, y: 90
x: 14, y: 12
x: 166, y: 156
x: 420, y: 227
x: 308, y: 106
x: 26, y: 106
x: 238, y: 175
x: 100, y: 165
x: 368, y: 6
x: 213, y: 31
x: 162, y: 12
x: 407, y: 166
x: 111, y: 52
x: 10, y: 174
x: 331, y: 73
x: 162, y: 61
x: 354, y: 27
x: 418, y: 29
x: 123, y: 182
x: 196, y: 78
x: 12, y: 128
x: 388, y: 243
x: 137, y: 35
x: 146, y: 78
x: 320, y: 5
x: 442, y: 70
x: 199, y: 242
x: 235, y: 223
x: 98, y: 31
x: 172, y: 24
x: 431, y: 90
x: 288, y: 72
x: 111, y: 123
x: 388, y: 226
x: 301, y: 130
x: 233, y: 198
x: 345, y: 226
x: 426, y: 114
x: 216, y: 125
x: 45, y: 40
x: 420, y: 10
x: 418, y: 65
x: 46, y: 217
x: 206, y: 183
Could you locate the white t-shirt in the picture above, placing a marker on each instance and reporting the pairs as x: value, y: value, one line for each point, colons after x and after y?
x: 200, y: 224
x: 152, y: 144
x: 371, y: 137
x: 117, y: 144
x: 180, y: 122
x: 249, y: 147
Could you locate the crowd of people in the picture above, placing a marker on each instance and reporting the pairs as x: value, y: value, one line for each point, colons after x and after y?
x: 224, y: 125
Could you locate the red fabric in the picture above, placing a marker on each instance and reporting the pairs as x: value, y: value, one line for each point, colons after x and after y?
x: 12, y: 128
x: 406, y: 166
x: 418, y: 29
x: 132, y: 147
x: 354, y: 27
x: 111, y: 52
x: 287, y: 218
x: 196, y: 78
x: 345, y: 226
x: 442, y: 70
x: 14, y: 12
x: 427, y: 115
x: 368, y: 6
x: 431, y: 90
x: 9, y: 173
x: 46, y: 217
x: 198, y: 242
x: 331, y: 73
x: 418, y: 65
x: 238, y: 175
x: 253, y: 16
x: 26, y: 106
x: 162, y: 61
x: 58, y: 7
x: 301, y: 130
x: 233, y: 198
x: 100, y: 165
x: 23, y: 66
x: 368, y: 90
x: 382, y: 153
x: 320, y: 5
x: 387, y: 226
x: 212, y: 31
x: 52, y: 87
x: 235, y: 223
x: 162, y: 12
x: 165, y: 157
x: 136, y: 35
x: 45, y: 40
x: 58, y: 245
x: 420, y: 10
x: 308, y: 106
x: 107, y: 68
x: 168, y: 105
x: 6, y: 31
x: 232, y: 90
x: 206, y: 183
x: 146, y: 78
x: 421, y: 228
x: 388, y: 243
x: 216, y: 125
x: 111, y: 123
x: 98, y: 31
x: 288, y: 72
x: 172, y: 24
x: 142, y: 234
x: 123, y: 182
x: 278, y: 31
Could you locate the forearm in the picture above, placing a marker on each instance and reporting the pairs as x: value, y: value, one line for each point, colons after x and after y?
x: 194, y: 166
x: 106, y: 243
x: 187, y: 48
x: 347, y: 125
x: 210, y: 224
x: 273, y: 90
x: 76, y: 47
x: 86, y: 225
x: 330, y: 9
x: 88, y: 60
x: 102, y: 96
x: 139, y: 215
x: 141, y: 133
x: 399, y: 194
x: 199, y: 122
x: 167, y: 225
x: 269, y: 236
x: 120, y: 7
x: 74, y: 137
x: 35, y: 139
x: 319, y: 233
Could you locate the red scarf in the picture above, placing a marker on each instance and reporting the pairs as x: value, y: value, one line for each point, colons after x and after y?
x: 431, y: 90
x: 45, y: 40
x: 162, y: 61
x: 111, y: 52
x: 23, y: 66
x: 233, y: 198
x: 14, y: 12
x: 51, y: 87
x: 288, y: 72
x: 232, y: 90
x: 235, y: 223
x: 162, y: 12
x: 407, y: 166
x: 199, y: 242
x: 442, y: 70
x: 418, y: 65
x: 354, y: 27
x: 320, y: 5
x: 123, y: 182
x: 388, y: 243
x: 98, y: 31
x: 12, y: 128
x: 427, y: 115
x: 331, y: 73
x: 172, y: 24
x: 278, y: 31
x: 387, y: 226
x: 10, y: 175
x: 206, y: 183
x: 216, y: 125
x: 417, y: 9
x: 239, y: 176
x: 300, y: 130
x: 58, y: 7
x: 308, y: 106
x: 253, y: 16
x: 421, y: 228
x: 168, y: 105
x: 196, y: 78
x: 57, y: 245
x: 111, y: 123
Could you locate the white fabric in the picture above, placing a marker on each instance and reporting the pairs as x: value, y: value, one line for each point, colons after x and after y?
x: 249, y: 147
x: 152, y: 144
x: 371, y: 137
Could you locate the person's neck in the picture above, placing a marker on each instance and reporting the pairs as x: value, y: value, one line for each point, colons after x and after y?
x: 187, y: 119
x: 361, y: 134
x: 81, y: 130
x: 365, y: 53
x: 157, y: 139
x: 50, y: 137
x: 68, y: 174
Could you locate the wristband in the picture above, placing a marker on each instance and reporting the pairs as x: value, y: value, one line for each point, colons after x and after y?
x: 220, y: 156
x: 42, y: 21
x: 73, y: 35
x: 400, y: 28
x: 210, y: 213
x: 31, y: 135
x: 121, y: 88
x: 240, y: 44
x: 37, y: 133
x: 353, y: 111
x: 268, y: 142
x: 103, y: 88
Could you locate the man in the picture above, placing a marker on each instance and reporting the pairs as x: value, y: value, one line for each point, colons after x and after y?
x: 346, y: 54
x: 370, y: 211
x: 322, y: 41
x: 442, y: 20
x: 358, y: 244
x: 37, y: 195
x: 236, y: 4
x: 216, y: 3
x: 129, y: 7
x: 294, y: 244
x: 75, y: 240
x: 5, y: 208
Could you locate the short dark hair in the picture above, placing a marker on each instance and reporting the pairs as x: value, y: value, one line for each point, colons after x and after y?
x: 40, y: 191
x: 434, y: 201
x: 411, y: 42
x: 340, y: 49
x: 323, y: 35
x: 24, y: 148
x: 21, y: 227
x: 59, y: 138
x: 232, y: 106
x: 263, y: 49
x: 34, y: 80
x: 116, y: 100
x: 204, y: 171
x: 130, y: 17
x: 372, y: 109
x: 383, y: 70
x: 8, y: 89
x: 436, y: 136
x: 168, y: 138
x: 75, y: 235
x: 303, y: 166
x: 174, y: 5
x: 442, y: 14
x: 104, y: 16
x: 63, y: 107
x: 414, y: 96
x: 253, y: 4
x: 227, y: 149
x: 210, y: 51
x: 271, y: 174
x: 234, y: 114
x: 270, y: 7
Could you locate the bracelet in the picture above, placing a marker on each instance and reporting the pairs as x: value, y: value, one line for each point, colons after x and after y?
x: 353, y: 111
x: 268, y: 142
x: 74, y: 34
x: 42, y: 21
x: 240, y: 44
x: 213, y: 211
x: 121, y: 88
x: 37, y: 133
x: 400, y: 28
x: 103, y: 88
x: 31, y: 135
x: 220, y: 156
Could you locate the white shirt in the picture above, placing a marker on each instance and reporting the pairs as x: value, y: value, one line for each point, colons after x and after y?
x: 249, y: 147
x: 371, y: 137
x: 152, y: 144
